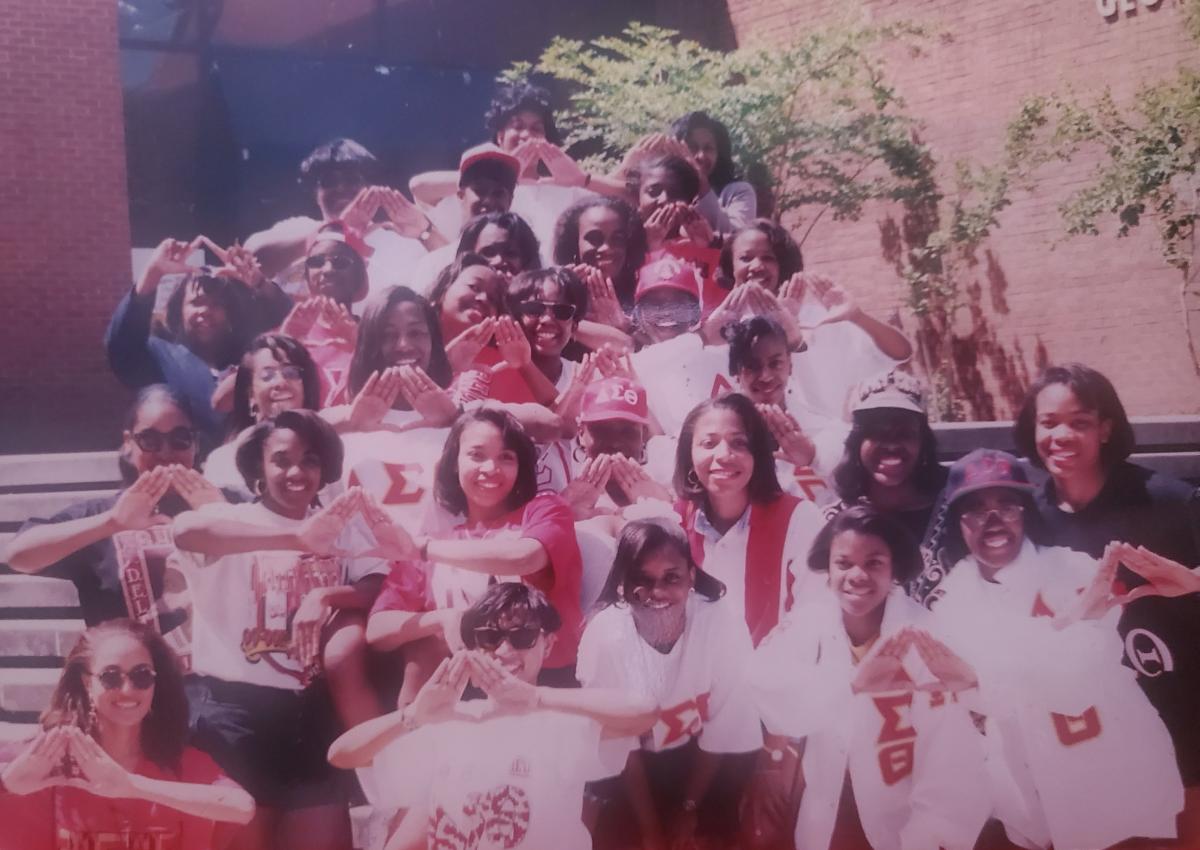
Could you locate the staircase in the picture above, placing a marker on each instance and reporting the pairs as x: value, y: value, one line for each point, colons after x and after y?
x: 39, y: 617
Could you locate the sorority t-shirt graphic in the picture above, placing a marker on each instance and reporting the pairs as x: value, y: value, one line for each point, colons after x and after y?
x: 155, y: 588
x: 279, y: 581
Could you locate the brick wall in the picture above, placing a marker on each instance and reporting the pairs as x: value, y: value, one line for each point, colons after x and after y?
x: 1108, y: 302
x: 64, y: 222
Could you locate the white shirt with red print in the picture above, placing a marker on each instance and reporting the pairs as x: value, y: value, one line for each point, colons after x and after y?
x: 513, y: 782
x: 696, y: 685
x: 914, y: 758
x: 1078, y: 756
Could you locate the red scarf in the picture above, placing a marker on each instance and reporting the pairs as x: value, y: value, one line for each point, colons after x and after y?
x: 769, y: 523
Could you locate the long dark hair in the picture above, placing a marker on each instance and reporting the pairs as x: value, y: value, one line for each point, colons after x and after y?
x: 852, y: 480
x: 566, y: 240
x: 368, y: 357
x: 286, y: 350
x: 1095, y: 392
x: 724, y: 172
x: 164, y: 731
x: 640, y: 539
x: 451, y: 273
x: 447, y: 490
x: 764, y: 484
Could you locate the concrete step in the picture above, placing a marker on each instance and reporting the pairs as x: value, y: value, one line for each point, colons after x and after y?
x: 15, y: 508
x: 42, y: 638
x: 22, y: 591
x: 27, y: 691
x: 17, y: 732
x: 55, y: 469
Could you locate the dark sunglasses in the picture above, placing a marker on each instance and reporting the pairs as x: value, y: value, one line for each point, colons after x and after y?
x: 537, y: 309
x: 488, y: 638
x: 179, y: 439
x: 141, y: 677
x: 338, y: 262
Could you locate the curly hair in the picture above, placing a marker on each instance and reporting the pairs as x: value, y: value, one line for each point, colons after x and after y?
x: 566, y: 240
x: 504, y: 599
x: 164, y: 731
x: 511, y: 98
x: 783, y: 246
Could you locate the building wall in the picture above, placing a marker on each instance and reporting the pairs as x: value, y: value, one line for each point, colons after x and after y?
x: 64, y: 222
x: 1112, y: 303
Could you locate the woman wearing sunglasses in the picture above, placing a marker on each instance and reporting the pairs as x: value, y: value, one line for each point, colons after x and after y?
x: 510, y: 767
x: 1079, y: 757
x: 117, y: 550
x: 111, y: 766
x: 662, y: 633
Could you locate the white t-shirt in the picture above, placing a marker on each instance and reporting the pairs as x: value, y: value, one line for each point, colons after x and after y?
x: 397, y: 468
x: 680, y: 373
x: 696, y: 685
x: 426, y: 270
x: 243, y: 604
x: 394, y: 259
x: 513, y: 782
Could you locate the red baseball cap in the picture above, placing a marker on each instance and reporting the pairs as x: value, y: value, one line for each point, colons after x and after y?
x: 615, y: 398
x: 488, y: 152
x: 667, y: 272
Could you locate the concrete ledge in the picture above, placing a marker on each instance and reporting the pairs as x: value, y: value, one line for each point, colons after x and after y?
x: 43, y: 638
x: 23, y: 591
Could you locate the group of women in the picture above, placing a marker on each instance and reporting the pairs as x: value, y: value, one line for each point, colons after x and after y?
x: 567, y: 510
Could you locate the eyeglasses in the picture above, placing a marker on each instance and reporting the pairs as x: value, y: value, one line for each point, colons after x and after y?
x: 289, y: 373
x: 537, y: 309
x: 338, y: 262
x: 488, y: 638
x: 179, y: 439
x: 141, y: 677
x: 1007, y: 513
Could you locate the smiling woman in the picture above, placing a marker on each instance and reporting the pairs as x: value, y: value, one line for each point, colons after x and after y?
x: 741, y: 525
x: 112, y: 761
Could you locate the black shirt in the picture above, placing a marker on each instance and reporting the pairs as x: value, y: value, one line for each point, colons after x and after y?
x: 1161, y: 635
x: 111, y: 575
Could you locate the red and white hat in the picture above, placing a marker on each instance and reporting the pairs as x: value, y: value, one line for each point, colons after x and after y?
x: 488, y: 152
x: 667, y: 272
x: 615, y: 398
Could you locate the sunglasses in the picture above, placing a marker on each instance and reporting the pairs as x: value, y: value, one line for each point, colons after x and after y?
x: 489, y: 639
x: 338, y: 262
x: 179, y: 439
x: 289, y: 373
x: 141, y: 677
x: 537, y: 309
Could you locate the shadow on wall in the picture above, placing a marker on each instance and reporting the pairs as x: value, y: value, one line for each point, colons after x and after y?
x: 975, y: 375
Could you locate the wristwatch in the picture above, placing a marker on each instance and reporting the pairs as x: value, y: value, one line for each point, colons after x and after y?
x: 425, y: 234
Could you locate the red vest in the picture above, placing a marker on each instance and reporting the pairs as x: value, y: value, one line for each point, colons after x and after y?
x: 769, y: 523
